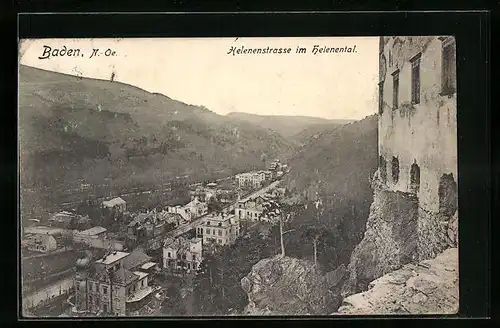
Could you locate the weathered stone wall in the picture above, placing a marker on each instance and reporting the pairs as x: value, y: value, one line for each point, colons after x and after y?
x: 423, y: 134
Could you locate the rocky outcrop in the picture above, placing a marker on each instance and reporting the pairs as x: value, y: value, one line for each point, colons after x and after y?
x: 429, y: 287
x: 436, y: 232
x: 289, y: 286
x: 390, y: 239
x: 398, y: 231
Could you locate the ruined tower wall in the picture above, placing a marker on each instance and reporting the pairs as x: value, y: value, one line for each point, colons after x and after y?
x: 414, y: 212
x: 424, y: 133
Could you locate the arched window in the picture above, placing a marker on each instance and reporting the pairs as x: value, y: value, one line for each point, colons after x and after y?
x: 414, y: 177
x: 395, y: 169
x: 448, y: 202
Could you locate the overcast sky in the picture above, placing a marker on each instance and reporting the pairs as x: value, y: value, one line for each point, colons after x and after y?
x: 199, y: 71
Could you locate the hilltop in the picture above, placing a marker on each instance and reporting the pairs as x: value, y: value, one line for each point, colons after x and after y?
x: 75, y: 130
x: 287, y: 126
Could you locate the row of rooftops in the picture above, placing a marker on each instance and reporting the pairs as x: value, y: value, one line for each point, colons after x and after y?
x: 152, y: 217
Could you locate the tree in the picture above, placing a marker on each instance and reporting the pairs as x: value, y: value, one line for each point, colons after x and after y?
x: 214, y: 205
x: 316, y: 233
x: 283, y: 212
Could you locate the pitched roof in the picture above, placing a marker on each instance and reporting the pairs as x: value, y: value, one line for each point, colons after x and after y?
x: 148, y: 265
x: 140, y: 218
x: 113, y: 202
x: 135, y: 259
x: 111, y: 258
x: 93, y: 231
x: 121, y: 276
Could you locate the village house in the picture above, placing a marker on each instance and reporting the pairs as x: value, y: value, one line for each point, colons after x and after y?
x: 195, y: 208
x: 63, y: 219
x: 96, y: 237
x: 117, y: 204
x: 276, y: 192
x: 209, y: 193
x: 221, y: 229
x: 182, y: 254
x: 184, y: 212
x: 253, y: 180
x: 252, y: 209
x: 145, y: 227
x: 268, y: 175
x: 90, y: 237
x: 40, y: 242
x: 115, y: 285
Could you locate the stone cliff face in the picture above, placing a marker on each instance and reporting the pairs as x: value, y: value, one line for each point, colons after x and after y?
x: 390, y: 239
x: 429, y: 287
x: 289, y: 286
x: 398, y: 232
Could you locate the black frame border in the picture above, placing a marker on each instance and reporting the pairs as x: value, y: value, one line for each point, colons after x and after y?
x: 472, y: 32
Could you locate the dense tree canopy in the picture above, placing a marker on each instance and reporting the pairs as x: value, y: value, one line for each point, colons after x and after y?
x: 217, y: 287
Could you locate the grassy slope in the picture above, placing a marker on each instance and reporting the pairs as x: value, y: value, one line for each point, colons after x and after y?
x: 77, y: 129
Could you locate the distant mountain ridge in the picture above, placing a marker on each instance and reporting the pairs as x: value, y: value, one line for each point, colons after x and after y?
x: 287, y: 126
x: 75, y: 130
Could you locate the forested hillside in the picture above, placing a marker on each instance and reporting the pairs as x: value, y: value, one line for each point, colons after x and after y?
x: 75, y: 131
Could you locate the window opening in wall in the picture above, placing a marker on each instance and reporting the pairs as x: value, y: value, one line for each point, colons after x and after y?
x: 415, y: 177
x: 381, y: 98
x: 395, y: 169
x: 415, y: 79
x: 382, y: 164
x: 395, y: 89
x: 448, y: 202
x: 448, y: 66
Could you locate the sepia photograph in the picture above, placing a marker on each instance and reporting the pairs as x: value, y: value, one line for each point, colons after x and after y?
x: 269, y: 176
